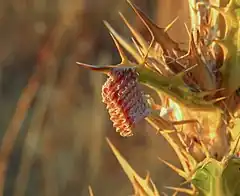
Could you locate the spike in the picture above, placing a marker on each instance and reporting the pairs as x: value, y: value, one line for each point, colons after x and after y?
x: 186, y: 182
x: 124, y: 43
x: 164, y: 194
x: 182, y: 122
x: 181, y: 74
x: 126, y: 167
x: 139, y: 49
x: 139, y: 189
x: 147, y: 179
x: 120, y: 51
x: 136, y: 35
x: 202, y: 94
x: 147, y: 52
x: 204, y: 149
x: 132, y: 175
x: 218, y: 99
x: 191, y: 161
x: 146, y: 21
x: 90, y: 191
x: 235, y: 146
x: 162, y: 123
x: 174, y: 145
x: 228, y: 111
x: 107, y: 68
x: 171, y: 24
x: 147, y: 65
x: 152, y: 67
x: 156, y: 193
x: 182, y: 190
x: 174, y: 168
x: 150, y: 31
x: 206, y: 81
x: 158, y: 33
x: 178, y: 78
x: 188, y: 53
x: 175, y: 193
x: 104, y: 69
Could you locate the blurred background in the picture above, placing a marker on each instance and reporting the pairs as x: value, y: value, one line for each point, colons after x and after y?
x: 53, y: 124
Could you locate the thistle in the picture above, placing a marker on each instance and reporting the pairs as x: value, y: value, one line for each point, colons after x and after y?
x: 199, y: 91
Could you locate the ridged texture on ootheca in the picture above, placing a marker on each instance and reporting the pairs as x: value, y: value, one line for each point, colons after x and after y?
x: 124, y: 100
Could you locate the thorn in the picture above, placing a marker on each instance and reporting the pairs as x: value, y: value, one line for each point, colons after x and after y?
x: 159, y: 34
x: 136, y: 35
x: 164, y: 194
x: 90, y: 191
x: 140, y: 15
x: 104, y: 69
x: 182, y: 122
x: 190, y: 68
x: 190, y: 39
x: 189, y: 51
x: 120, y: 50
x: 124, y: 43
x: 234, y: 149
x: 175, y: 193
x: 156, y: 193
x: 171, y: 24
x: 138, y: 47
x: 162, y: 123
x: 147, y: 179
x: 135, y: 179
x: 182, y: 190
x: 181, y: 74
x: 186, y: 182
x: 187, y: 29
x: 218, y: 99
x: 204, y: 149
x: 174, y: 168
x: 190, y: 159
x: 228, y: 111
x: 148, y: 50
x: 174, y: 145
x: 209, y: 92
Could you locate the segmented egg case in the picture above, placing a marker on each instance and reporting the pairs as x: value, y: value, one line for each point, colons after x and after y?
x: 124, y: 100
